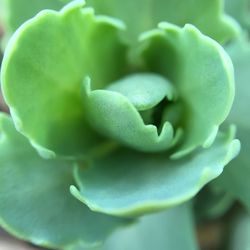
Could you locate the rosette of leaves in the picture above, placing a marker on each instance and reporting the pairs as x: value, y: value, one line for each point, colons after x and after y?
x: 120, y: 118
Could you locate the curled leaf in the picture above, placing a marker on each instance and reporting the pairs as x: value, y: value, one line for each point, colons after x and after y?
x: 44, y: 65
x: 202, y: 74
x: 113, y: 115
x: 128, y: 183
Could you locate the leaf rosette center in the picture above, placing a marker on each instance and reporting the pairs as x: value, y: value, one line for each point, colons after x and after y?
x: 122, y: 110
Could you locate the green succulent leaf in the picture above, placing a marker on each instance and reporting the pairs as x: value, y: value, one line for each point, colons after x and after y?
x: 112, y: 114
x: 235, y: 179
x: 128, y: 183
x: 144, y: 15
x: 202, y: 74
x: 239, y: 9
x: 158, y: 231
x: 144, y: 90
x: 44, y: 66
x: 35, y: 202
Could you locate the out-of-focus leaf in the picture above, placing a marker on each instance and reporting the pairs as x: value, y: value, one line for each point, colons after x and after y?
x: 235, y: 178
x: 15, y: 13
x: 128, y: 183
x: 239, y: 9
x: 211, y: 204
x: 143, y: 15
x: 44, y: 66
x: 35, y: 202
x: 239, y: 234
x: 173, y: 230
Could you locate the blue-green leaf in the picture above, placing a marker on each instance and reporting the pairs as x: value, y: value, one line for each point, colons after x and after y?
x: 128, y: 183
x: 173, y: 230
x: 35, y: 202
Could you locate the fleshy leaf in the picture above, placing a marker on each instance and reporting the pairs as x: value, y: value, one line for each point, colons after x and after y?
x: 43, y: 68
x: 113, y: 115
x: 202, y: 74
x: 208, y: 16
x: 158, y: 231
x: 128, y: 183
x: 235, y: 179
x: 35, y: 202
x: 239, y: 9
x: 144, y: 90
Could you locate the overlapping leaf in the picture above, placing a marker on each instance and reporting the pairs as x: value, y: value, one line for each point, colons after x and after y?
x: 44, y: 66
x: 127, y: 183
x: 114, y: 112
x: 202, y: 74
x: 35, y: 202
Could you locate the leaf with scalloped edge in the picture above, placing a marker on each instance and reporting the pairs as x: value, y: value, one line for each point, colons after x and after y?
x: 114, y: 111
x: 143, y: 15
x: 43, y: 68
x: 239, y: 9
x: 35, y: 202
x: 128, y: 183
x: 202, y: 74
x: 235, y: 178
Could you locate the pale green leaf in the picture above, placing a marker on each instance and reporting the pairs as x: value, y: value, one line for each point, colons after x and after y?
x: 128, y: 183
x: 143, y: 15
x: 144, y: 90
x: 43, y: 68
x: 202, y: 74
x: 212, y: 204
x: 35, y: 202
x: 113, y: 115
